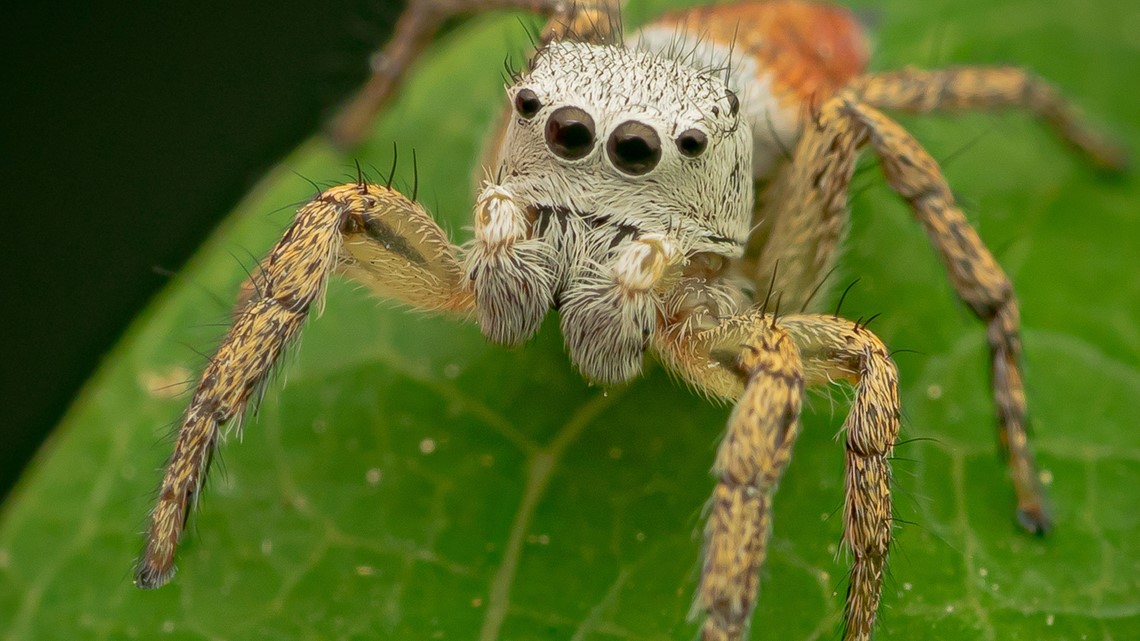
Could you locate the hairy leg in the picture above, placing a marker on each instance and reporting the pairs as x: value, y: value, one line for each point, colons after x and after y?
x: 772, y: 361
x: 369, y: 232
x: 593, y: 21
x: 836, y: 349
x: 809, y: 201
x: 980, y: 282
x: 750, y: 461
x: 990, y: 88
x: 806, y: 202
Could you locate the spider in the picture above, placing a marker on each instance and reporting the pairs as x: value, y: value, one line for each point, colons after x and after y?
x: 681, y: 192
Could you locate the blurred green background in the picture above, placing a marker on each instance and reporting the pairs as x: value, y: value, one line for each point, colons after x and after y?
x: 129, y: 131
x: 413, y: 482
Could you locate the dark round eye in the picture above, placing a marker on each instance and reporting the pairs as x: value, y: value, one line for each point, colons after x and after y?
x: 570, y: 133
x: 527, y: 103
x: 733, y: 102
x: 634, y: 148
x: 692, y: 142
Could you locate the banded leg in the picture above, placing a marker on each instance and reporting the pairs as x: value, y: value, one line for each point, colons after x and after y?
x: 593, y: 21
x: 773, y: 361
x: 367, y: 231
x: 819, y: 177
x: 981, y: 283
x: 836, y: 349
x: 989, y: 88
x: 750, y: 461
x: 807, y: 200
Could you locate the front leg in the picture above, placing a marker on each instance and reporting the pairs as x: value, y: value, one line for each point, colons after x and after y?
x: 590, y: 21
x: 817, y: 181
x: 770, y: 362
x: 835, y: 349
x: 750, y: 462
x: 369, y: 232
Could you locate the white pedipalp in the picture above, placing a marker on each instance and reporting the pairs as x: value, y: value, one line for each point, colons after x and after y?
x: 642, y: 264
x: 498, y: 218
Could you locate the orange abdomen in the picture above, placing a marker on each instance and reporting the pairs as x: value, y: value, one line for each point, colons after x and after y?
x: 811, y: 49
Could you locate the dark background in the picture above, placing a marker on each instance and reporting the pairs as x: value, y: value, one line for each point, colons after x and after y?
x: 127, y: 133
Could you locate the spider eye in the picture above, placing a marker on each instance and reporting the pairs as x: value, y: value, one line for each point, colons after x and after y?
x: 692, y: 142
x: 733, y: 102
x: 634, y: 148
x: 570, y: 133
x: 527, y: 103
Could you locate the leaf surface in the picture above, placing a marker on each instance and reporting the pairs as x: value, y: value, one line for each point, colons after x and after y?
x: 413, y: 482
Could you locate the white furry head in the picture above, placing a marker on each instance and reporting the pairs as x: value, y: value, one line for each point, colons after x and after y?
x: 615, y: 168
x: 693, y: 178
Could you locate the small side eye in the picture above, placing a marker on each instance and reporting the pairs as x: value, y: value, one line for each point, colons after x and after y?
x: 527, y: 103
x: 733, y: 102
x: 634, y: 148
x: 692, y: 143
x: 570, y: 133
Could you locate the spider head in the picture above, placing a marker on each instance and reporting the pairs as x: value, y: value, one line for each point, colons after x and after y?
x: 610, y: 155
x: 631, y: 138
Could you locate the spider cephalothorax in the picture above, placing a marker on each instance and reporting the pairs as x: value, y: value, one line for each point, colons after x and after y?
x: 615, y: 167
x: 621, y: 193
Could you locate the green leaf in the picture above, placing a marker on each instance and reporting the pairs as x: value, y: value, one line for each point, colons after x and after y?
x: 412, y: 482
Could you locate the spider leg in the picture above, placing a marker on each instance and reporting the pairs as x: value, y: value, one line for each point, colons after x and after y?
x: 837, y: 349
x: 975, y: 88
x: 980, y: 282
x: 593, y: 21
x: 817, y: 180
x: 368, y: 232
x: 772, y: 361
x: 749, y: 463
x: 805, y: 205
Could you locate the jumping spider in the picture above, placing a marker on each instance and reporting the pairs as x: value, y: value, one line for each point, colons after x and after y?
x: 621, y: 194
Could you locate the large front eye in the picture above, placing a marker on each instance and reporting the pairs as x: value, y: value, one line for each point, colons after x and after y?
x: 634, y: 148
x: 570, y: 133
x: 527, y: 103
